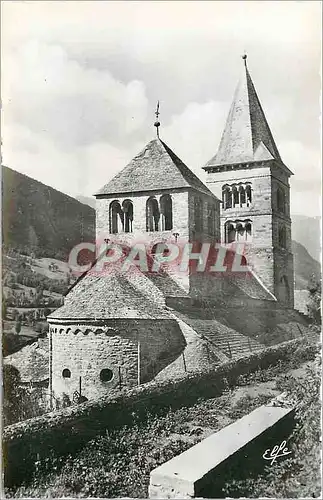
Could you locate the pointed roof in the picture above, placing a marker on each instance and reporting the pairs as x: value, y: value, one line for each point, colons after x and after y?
x: 247, y: 136
x: 155, y: 168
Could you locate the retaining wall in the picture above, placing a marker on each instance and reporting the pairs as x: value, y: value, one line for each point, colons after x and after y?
x: 64, y: 432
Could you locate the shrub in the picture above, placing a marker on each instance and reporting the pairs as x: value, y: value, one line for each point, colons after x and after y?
x: 18, y: 327
x: 300, y: 475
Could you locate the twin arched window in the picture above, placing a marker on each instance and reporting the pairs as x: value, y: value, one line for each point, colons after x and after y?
x: 238, y: 230
x: 121, y: 217
x: 159, y: 216
x: 236, y: 195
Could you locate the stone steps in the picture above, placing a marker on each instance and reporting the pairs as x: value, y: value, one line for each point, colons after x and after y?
x: 223, y: 338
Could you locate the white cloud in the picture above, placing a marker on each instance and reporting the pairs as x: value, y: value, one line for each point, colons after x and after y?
x: 46, y: 91
x: 81, y: 79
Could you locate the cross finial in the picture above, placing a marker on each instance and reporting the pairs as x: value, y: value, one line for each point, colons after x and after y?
x: 157, y: 122
x: 244, y: 57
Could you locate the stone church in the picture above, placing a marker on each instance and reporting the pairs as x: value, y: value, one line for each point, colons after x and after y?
x: 126, y: 328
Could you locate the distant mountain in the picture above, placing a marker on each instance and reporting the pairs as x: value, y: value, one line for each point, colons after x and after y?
x: 307, y: 231
x: 37, y: 218
x: 86, y: 200
x: 40, y: 219
x: 304, y: 266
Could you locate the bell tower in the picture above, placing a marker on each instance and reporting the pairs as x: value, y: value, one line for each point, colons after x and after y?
x: 248, y: 174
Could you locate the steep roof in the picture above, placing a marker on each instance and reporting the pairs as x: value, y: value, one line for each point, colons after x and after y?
x: 246, y: 136
x: 32, y: 361
x: 112, y: 295
x: 156, y: 167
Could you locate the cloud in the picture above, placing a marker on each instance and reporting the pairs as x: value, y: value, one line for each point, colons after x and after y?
x: 81, y: 81
x: 51, y: 94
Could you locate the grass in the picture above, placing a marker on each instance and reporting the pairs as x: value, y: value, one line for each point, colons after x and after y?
x: 118, y: 463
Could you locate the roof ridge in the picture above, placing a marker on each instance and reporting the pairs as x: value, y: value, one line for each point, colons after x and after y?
x: 155, y: 168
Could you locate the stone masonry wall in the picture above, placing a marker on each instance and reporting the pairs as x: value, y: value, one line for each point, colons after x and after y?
x: 85, y: 350
x: 263, y: 253
x: 180, y: 215
x: 259, y: 252
x: 61, y: 433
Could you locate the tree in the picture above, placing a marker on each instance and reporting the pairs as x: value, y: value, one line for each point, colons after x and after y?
x: 11, y: 395
x: 19, y: 403
x: 18, y: 326
x: 314, y: 303
x: 4, y: 308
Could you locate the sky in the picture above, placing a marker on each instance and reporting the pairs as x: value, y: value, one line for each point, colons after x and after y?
x: 80, y: 83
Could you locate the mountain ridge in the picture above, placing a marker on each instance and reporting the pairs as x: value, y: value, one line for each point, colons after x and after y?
x: 38, y: 218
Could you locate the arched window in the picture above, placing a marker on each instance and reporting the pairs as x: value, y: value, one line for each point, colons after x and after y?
x: 127, y: 207
x: 235, y: 196
x: 242, y: 196
x: 230, y: 232
x: 106, y: 375
x: 282, y: 237
x: 198, y: 212
x: 248, y: 231
x: 66, y: 373
x: 116, y: 217
x: 211, y: 219
x: 152, y: 214
x: 226, y: 197
x: 240, y: 232
x: 248, y: 195
x: 166, y: 210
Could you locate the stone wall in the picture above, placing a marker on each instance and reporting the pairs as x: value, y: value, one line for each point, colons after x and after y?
x: 64, y: 432
x: 263, y: 253
x: 180, y: 215
x: 122, y: 346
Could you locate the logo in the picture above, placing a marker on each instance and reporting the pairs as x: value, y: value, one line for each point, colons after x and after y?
x: 276, y: 452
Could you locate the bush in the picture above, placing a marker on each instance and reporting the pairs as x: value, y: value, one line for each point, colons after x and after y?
x: 314, y: 304
x: 300, y: 475
x: 18, y: 327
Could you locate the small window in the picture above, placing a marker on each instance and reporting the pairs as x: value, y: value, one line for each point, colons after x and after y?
x: 66, y: 373
x: 106, y: 375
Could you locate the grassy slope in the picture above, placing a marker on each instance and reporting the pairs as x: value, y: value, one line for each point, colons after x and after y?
x: 118, y: 464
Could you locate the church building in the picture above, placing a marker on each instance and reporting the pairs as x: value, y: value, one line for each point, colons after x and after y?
x: 126, y: 328
x: 249, y: 176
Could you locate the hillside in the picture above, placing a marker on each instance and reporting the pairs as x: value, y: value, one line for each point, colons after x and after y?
x: 37, y: 218
x: 304, y: 266
x: 42, y: 220
x: 307, y: 231
x: 87, y: 200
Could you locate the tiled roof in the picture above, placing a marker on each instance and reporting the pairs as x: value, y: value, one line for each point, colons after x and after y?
x: 247, y: 136
x: 113, y: 295
x: 156, y: 167
x: 32, y: 361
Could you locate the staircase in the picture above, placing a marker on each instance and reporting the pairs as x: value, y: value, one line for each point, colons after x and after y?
x: 225, y: 339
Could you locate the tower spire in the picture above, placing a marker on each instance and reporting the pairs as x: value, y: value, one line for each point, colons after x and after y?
x: 157, y: 122
x: 246, y: 137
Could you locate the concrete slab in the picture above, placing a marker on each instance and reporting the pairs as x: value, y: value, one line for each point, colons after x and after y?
x: 178, y: 477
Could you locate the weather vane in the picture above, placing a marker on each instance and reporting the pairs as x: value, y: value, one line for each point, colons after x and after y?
x: 157, y: 122
x: 244, y: 57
